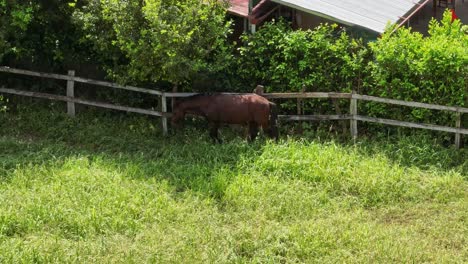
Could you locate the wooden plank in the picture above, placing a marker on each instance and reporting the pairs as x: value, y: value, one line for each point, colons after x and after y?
x: 344, y: 128
x: 155, y: 92
x: 278, y: 95
x: 457, y: 135
x: 313, y: 117
x: 172, y: 95
x: 412, y: 125
x: 411, y: 104
x: 164, y: 111
x: 81, y: 101
x: 300, y: 110
x: 71, y: 93
x: 117, y: 86
x: 353, y: 122
x: 79, y: 79
x: 33, y: 73
x: 306, y: 95
x: 269, y: 95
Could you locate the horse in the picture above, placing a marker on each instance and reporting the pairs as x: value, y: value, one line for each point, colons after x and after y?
x: 246, y: 109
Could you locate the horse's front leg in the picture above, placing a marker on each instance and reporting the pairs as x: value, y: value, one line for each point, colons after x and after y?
x: 214, y: 133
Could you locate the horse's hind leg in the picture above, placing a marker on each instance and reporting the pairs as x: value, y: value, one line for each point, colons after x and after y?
x: 253, y: 131
x: 214, y: 133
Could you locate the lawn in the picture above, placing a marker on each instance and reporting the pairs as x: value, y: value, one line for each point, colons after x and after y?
x: 108, y: 187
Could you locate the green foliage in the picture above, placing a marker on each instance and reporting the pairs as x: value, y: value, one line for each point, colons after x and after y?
x: 41, y: 35
x: 3, y: 106
x: 284, y: 60
x: 411, y: 67
x: 160, y: 39
x: 401, y: 65
x: 323, y: 59
x: 15, y: 16
x: 112, y: 189
x: 169, y: 42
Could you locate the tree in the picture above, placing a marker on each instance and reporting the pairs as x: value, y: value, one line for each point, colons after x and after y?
x: 168, y: 40
x: 14, y: 20
x: 41, y: 34
x: 413, y: 67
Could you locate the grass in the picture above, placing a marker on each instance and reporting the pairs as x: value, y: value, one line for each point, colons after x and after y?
x: 110, y: 188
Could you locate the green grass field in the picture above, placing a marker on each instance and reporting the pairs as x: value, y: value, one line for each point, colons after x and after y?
x: 111, y: 189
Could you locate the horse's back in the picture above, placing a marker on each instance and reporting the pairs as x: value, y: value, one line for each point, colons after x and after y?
x: 240, y: 109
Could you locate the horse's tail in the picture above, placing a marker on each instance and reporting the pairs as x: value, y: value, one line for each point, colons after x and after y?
x: 273, y: 121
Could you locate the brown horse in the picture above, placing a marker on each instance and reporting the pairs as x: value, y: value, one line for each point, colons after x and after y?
x: 249, y: 109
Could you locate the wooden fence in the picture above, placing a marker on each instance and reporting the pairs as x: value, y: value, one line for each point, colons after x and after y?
x: 353, y: 115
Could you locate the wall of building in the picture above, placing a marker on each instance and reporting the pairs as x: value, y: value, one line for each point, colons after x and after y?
x: 420, y: 21
x: 308, y: 21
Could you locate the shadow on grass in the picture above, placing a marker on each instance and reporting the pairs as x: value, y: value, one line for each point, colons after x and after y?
x: 132, y: 145
x: 187, y: 160
x: 406, y: 147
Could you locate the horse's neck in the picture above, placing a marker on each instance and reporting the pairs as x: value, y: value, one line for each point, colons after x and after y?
x: 193, y: 106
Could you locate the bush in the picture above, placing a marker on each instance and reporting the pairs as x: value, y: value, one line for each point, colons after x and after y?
x: 411, y: 67
x: 401, y: 65
x: 323, y: 59
x: 3, y: 106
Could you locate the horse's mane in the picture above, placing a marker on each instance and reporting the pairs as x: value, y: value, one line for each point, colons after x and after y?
x: 201, y: 95
x: 192, y: 97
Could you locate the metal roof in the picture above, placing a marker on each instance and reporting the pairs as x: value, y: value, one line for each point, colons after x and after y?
x: 371, y: 14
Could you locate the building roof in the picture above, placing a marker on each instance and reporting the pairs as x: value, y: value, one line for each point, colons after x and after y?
x: 239, y: 7
x: 371, y: 14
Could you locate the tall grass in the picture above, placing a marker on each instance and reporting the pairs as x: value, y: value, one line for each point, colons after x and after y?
x: 110, y: 188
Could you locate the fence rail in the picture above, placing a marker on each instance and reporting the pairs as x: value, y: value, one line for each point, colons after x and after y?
x: 313, y: 117
x: 410, y: 104
x: 81, y: 101
x: 353, y: 115
x: 316, y: 95
x: 411, y: 124
x: 79, y: 79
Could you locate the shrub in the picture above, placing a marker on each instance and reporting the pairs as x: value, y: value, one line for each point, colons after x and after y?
x: 3, y: 106
x: 401, y: 65
x: 409, y: 66
x: 323, y: 59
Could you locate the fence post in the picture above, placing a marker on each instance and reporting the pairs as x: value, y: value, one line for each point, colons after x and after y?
x: 457, y: 135
x: 164, y: 111
x: 259, y: 89
x: 353, y: 120
x: 71, y: 93
x: 336, y: 104
x: 300, y: 111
